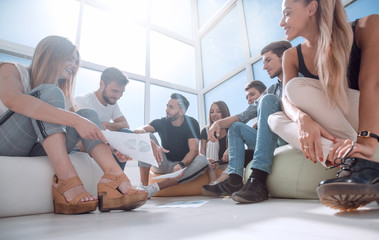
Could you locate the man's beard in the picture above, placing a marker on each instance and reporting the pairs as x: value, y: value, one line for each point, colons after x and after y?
x: 277, y: 73
x: 107, y: 99
x: 174, y: 117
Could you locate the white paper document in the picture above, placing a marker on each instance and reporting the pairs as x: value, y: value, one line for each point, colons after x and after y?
x: 136, y: 146
x: 170, y: 175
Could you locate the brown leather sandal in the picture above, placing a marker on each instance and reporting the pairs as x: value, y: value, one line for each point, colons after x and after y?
x: 75, y: 206
x: 110, y: 198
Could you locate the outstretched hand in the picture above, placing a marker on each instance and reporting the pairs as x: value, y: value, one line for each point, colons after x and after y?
x: 214, y: 132
x: 157, y: 151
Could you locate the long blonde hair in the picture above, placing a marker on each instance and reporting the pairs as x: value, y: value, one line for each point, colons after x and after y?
x: 333, y: 50
x: 48, y: 63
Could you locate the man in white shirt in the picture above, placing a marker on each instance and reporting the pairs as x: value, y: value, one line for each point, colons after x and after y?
x: 104, y: 102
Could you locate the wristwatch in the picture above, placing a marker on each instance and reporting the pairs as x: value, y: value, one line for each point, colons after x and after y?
x: 182, y: 164
x: 366, y: 134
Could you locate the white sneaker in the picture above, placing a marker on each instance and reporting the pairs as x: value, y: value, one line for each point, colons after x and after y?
x: 150, y: 189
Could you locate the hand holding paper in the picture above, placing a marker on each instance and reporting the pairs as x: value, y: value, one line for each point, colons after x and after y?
x: 121, y: 157
x: 136, y: 146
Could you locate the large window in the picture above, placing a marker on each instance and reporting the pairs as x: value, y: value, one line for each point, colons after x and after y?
x: 262, y: 23
x: 222, y: 48
x: 27, y: 22
x: 132, y: 102
x: 111, y: 40
x: 172, y: 61
x: 231, y: 92
x: 10, y: 58
x: 173, y: 15
x: 208, y: 9
x: 361, y: 8
x: 206, y: 50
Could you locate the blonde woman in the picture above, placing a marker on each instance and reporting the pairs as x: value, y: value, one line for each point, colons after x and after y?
x: 34, y: 121
x: 335, y: 101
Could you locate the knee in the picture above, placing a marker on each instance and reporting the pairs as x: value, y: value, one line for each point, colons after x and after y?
x: 51, y: 94
x: 234, y: 127
x: 291, y: 87
x: 269, y: 101
x: 294, y: 89
x: 200, y: 162
x: 273, y: 121
x: 90, y: 115
x: 203, y: 159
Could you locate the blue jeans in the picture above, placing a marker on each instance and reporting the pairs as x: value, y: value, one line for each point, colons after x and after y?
x: 22, y: 136
x: 262, y: 140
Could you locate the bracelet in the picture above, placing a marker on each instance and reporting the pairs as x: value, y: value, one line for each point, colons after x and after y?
x: 182, y: 164
x: 366, y: 134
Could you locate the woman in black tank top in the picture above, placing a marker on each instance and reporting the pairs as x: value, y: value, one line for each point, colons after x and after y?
x: 326, y: 115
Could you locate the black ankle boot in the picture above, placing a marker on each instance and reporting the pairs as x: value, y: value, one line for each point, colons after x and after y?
x: 356, y: 185
x: 254, y: 190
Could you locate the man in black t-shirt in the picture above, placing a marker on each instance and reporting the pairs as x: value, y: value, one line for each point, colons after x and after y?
x: 179, y: 135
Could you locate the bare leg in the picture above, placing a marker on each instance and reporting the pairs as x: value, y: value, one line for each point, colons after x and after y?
x: 222, y: 177
x: 55, y: 148
x: 212, y: 174
x: 167, y: 183
x: 144, y: 172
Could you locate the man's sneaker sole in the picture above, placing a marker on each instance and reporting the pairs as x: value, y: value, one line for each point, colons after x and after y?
x: 212, y: 194
x: 347, y: 196
x: 240, y: 199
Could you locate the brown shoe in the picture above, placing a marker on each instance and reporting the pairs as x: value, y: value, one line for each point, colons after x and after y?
x: 110, y: 198
x: 75, y: 206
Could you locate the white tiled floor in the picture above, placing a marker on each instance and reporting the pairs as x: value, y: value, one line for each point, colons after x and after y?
x: 217, y: 219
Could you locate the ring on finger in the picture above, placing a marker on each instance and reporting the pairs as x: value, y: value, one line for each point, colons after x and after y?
x: 305, y: 147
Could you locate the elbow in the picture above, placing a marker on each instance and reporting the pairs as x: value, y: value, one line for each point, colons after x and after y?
x: 10, y: 102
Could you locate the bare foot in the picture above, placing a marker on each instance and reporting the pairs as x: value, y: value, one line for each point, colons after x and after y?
x: 71, y: 193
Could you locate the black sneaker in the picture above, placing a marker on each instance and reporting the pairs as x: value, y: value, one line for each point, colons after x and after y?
x: 221, y: 189
x: 253, y: 191
x: 356, y: 185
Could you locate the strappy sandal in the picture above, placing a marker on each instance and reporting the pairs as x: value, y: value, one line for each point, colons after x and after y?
x: 110, y: 198
x: 75, y: 206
